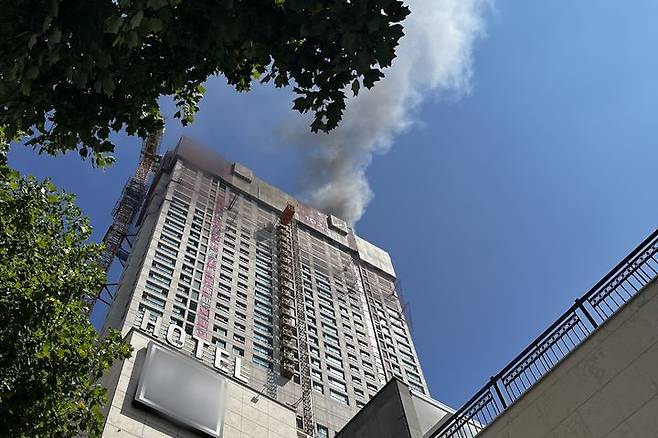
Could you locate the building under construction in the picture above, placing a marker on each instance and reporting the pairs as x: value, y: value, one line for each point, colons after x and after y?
x: 251, y: 313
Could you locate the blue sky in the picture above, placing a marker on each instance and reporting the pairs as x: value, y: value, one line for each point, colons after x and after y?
x: 498, y: 208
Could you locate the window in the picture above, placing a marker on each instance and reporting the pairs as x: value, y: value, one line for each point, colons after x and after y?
x: 219, y: 343
x: 160, y: 279
x: 335, y: 372
x: 153, y: 301
x: 413, y: 377
x: 163, y: 258
x: 168, y: 250
x: 262, y: 362
x: 263, y: 306
x: 263, y: 351
x: 330, y: 339
x: 329, y: 328
x: 338, y: 396
x: 318, y: 387
x: 323, y: 432
x: 327, y: 319
x: 337, y: 384
x: 152, y: 287
x: 262, y: 327
x: 262, y: 317
x: 332, y: 349
x: 333, y: 360
x: 263, y: 339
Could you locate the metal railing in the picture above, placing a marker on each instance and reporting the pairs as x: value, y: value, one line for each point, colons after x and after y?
x: 638, y: 269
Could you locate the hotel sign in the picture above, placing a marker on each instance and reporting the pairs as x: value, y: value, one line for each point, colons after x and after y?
x: 182, y: 390
x: 176, y: 337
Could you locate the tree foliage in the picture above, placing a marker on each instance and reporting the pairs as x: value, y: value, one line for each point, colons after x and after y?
x: 50, y: 355
x: 73, y: 71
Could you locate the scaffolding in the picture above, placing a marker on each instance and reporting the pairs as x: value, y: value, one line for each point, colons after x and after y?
x: 125, y: 209
x: 293, y: 335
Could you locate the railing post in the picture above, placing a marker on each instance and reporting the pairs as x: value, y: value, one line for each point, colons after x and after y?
x: 494, y: 383
x: 579, y: 303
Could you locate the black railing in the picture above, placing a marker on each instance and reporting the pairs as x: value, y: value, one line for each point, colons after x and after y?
x: 595, y: 307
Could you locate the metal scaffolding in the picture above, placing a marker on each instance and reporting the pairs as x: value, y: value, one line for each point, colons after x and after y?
x: 125, y: 209
x: 292, y: 317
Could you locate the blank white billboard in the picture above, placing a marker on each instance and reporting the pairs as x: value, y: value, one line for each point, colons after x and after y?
x: 182, y: 390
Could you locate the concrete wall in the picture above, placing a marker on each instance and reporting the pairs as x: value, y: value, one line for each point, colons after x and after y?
x: 607, y: 387
x: 429, y: 413
x: 382, y: 417
x: 247, y: 416
x: 396, y: 412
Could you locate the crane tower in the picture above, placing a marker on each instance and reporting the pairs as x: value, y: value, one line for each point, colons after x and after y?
x: 125, y: 209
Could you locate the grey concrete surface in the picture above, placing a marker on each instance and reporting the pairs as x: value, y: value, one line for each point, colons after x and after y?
x: 606, y: 388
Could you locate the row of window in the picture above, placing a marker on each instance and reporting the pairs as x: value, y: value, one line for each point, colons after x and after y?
x: 262, y: 329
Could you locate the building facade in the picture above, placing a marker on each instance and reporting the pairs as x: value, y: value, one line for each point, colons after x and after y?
x: 283, y: 301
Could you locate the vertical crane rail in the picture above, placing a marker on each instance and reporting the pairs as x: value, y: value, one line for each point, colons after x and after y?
x: 292, y: 313
x: 129, y: 202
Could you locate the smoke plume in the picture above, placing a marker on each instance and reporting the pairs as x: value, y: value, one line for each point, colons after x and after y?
x: 434, y: 57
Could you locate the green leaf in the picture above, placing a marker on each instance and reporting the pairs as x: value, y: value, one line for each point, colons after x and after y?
x: 48, y: 343
x: 81, y: 79
x: 372, y: 76
x: 108, y: 85
x: 32, y: 41
x: 149, y: 49
x: 156, y: 4
x: 132, y: 39
x: 154, y: 24
x: 55, y: 37
x: 113, y: 24
x: 300, y: 104
x: 11, y: 73
x: 32, y: 72
x: 136, y: 19
x: 46, y: 23
x: 355, y: 86
x: 373, y: 24
x: 53, y: 57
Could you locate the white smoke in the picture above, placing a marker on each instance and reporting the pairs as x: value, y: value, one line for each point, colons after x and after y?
x: 434, y: 57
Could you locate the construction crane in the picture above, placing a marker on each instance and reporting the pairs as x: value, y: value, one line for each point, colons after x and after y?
x: 125, y: 209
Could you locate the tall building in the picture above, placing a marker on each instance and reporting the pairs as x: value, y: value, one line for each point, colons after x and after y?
x: 280, y: 300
